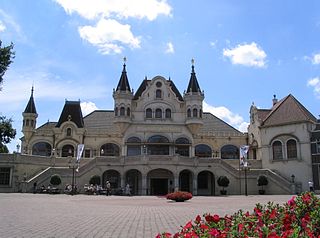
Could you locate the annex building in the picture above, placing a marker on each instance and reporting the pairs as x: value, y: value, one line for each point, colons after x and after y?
x: 159, y: 140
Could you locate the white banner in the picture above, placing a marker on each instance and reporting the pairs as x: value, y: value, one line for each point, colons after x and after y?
x: 79, y: 151
x: 244, y: 155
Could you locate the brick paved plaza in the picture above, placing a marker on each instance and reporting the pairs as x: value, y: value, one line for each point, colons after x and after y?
x: 65, y: 216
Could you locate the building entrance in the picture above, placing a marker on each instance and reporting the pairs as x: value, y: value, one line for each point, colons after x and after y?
x: 159, y: 186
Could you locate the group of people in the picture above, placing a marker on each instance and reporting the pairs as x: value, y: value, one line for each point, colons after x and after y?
x: 99, y: 190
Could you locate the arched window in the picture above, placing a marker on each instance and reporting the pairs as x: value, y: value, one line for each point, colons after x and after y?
x: 200, y: 112
x: 128, y: 111
x: 277, y: 150
x: 122, y: 111
x: 158, y: 145
x: 291, y: 149
x: 27, y: 122
x: 158, y: 93
x: 189, y: 112
x: 168, y: 113
x: 133, y: 146
x: 116, y: 111
x: 67, y: 150
x: 203, y: 150
x: 195, y: 112
x: 148, y: 113
x: 158, y: 113
x: 32, y: 123
x: 42, y: 148
x: 182, y: 146
x: 229, y: 152
x: 110, y: 149
x: 69, y: 131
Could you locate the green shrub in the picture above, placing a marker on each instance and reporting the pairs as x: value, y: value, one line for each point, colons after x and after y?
x: 55, y: 180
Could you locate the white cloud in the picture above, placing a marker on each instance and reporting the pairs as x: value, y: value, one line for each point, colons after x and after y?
x: 17, y: 86
x: 108, y: 35
x: 11, y: 24
x: 247, y: 55
x: 225, y: 114
x: 213, y: 44
x: 170, y: 48
x: 88, y: 107
x: 2, y: 26
x: 315, y: 83
x: 316, y: 59
x: 92, y: 9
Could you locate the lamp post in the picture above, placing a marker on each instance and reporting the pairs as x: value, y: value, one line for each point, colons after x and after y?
x: 72, y: 166
x: 245, y: 168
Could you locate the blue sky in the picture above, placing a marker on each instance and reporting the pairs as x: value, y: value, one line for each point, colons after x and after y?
x: 244, y: 51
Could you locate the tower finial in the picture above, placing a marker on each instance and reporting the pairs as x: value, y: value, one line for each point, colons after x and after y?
x: 192, y: 61
x: 124, y: 60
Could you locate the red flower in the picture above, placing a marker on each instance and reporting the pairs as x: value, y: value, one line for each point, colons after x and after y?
x: 214, y: 232
x: 198, y: 219
x: 216, y: 218
x: 203, y: 226
x: 188, y: 225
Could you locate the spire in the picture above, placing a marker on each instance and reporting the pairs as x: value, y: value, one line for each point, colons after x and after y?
x: 193, y: 83
x: 31, y: 107
x: 123, y: 84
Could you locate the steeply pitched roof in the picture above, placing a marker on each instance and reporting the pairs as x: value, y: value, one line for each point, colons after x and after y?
x: 31, y: 107
x: 144, y: 84
x: 193, y: 85
x: 288, y: 110
x: 71, y: 112
x: 123, y: 84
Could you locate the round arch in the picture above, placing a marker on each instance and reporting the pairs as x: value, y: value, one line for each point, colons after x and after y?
x: 42, y: 148
x: 186, y: 181
x: 134, y: 179
x: 229, y: 152
x: 160, y: 181
x: 113, y: 176
x: 206, y: 183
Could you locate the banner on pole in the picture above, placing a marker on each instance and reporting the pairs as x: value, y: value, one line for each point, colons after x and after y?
x: 244, y: 155
x: 79, y: 151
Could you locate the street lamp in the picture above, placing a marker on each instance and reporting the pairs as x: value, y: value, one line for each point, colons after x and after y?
x: 72, y: 166
x: 246, y: 168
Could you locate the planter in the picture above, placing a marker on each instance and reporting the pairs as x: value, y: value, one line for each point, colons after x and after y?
x: 223, y: 192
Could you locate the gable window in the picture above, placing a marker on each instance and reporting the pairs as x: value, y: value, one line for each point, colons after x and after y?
x: 277, y: 150
x: 148, y: 113
x: 291, y: 149
x: 158, y: 113
x: 69, y: 131
x: 158, y: 93
x: 168, y: 113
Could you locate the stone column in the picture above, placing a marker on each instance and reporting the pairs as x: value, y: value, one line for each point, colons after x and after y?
x: 144, y: 185
x: 195, y: 185
x: 176, y: 182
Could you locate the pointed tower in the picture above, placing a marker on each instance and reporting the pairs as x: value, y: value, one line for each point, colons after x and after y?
x: 122, y: 96
x: 29, y: 122
x: 193, y: 98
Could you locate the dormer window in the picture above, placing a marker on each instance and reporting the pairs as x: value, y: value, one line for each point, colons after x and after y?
x: 69, y: 131
x: 158, y: 93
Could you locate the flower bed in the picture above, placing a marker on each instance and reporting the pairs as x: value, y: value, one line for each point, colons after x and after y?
x: 179, y: 196
x: 299, y: 217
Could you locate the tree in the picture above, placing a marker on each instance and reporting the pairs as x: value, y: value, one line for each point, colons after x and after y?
x: 55, y: 180
x: 6, y: 57
x: 7, y: 133
x: 223, y: 182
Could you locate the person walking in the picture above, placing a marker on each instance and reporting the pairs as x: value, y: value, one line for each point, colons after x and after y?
x: 127, y: 190
x: 108, y: 188
x: 310, y: 183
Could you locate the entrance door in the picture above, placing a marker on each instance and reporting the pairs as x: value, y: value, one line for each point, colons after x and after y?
x: 159, y: 186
